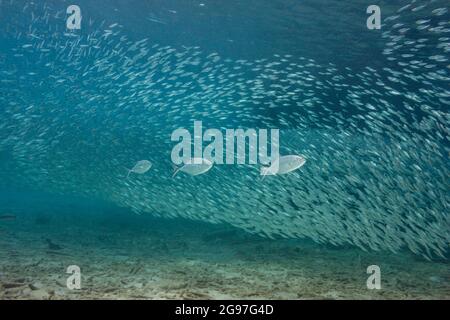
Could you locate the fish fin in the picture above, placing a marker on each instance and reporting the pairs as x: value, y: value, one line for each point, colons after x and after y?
x: 128, y: 173
x: 264, y: 172
x: 175, y: 170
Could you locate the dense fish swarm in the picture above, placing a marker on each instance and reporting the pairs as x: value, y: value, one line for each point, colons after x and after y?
x: 78, y: 107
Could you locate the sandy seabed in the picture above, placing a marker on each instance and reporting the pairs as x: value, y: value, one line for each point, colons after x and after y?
x: 160, y: 259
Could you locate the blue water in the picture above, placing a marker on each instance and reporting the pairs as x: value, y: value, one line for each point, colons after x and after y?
x: 367, y: 109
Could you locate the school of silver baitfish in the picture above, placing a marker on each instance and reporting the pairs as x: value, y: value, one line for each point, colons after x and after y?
x: 79, y: 109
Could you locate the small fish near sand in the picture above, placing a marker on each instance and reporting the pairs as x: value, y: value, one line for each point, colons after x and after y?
x: 53, y: 246
x: 140, y: 167
x: 7, y: 217
x: 194, y: 167
x: 283, y: 165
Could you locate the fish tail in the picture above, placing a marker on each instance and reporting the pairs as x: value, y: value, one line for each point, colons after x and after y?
x: 128, y: 173
x: 175, y: 170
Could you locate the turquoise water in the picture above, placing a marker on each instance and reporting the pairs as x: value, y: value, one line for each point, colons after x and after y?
x: 368, y: 111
